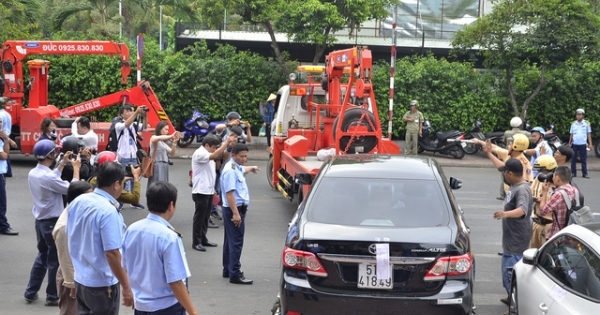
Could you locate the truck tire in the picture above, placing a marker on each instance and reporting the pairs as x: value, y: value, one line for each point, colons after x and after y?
x: 63, y: 122
x: 351, y: 118
x: 269, y: 171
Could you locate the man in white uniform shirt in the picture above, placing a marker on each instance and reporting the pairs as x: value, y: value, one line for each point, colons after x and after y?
x: 81, y: 128
x: 203, y: 186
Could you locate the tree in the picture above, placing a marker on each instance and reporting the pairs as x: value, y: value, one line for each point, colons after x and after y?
x: 543, y: 34
x: 317, y: 21
x: 19, y: 19
x: 102, y: 13
x: 256, y: 12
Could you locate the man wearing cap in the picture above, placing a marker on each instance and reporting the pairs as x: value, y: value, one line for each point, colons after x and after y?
x: 516, y: 216
x: 46, y: 188
x: 537, y: 135
x: 414, y: 128
x: 581, y: 141
x: 268, y: 116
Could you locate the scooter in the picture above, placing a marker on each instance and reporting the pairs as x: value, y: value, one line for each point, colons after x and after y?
x: 448, y: 143
x: 198, y: 127
x: 496, y: 137
x: 552, y: 138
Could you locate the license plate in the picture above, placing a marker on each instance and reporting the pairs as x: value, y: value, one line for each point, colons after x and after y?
x: 463, y: 144
x: 367, y: 277
x: 557, y: 144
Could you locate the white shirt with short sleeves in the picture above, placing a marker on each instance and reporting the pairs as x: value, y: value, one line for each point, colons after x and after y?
x: 127, y: 148
x: 203, y: 172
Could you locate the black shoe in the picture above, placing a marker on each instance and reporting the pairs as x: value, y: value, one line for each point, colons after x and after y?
x: 573, y: 175
x: 31, y: 299
x: 500, y: 198
x: 51, y: 302
x: 212, y: 224
x: 170, y: 162
x: 9, y: 231
x: 209, y: 244
x: 240, y: 280
x: 586, y: 176
x: 500, y: 253
x: 226, y: 274
x: 199, y: 248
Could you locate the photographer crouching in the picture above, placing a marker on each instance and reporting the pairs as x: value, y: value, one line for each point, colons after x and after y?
x: 77, y: 146
x: 132, y: 172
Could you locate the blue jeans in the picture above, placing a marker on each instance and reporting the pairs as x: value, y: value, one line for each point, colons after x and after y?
x: 47, y: 259
x: 3, y: 220
x: 175, y: 309
x: 580, y: 149
x: 508, y: 262
x: 124, y: 162
x: 233, y: 242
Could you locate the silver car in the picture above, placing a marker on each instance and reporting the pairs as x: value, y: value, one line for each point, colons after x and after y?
x: 560, y: 278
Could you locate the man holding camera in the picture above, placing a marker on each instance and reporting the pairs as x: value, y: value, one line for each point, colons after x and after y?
x: 554, y: 205
x: 545, y: 165
x: 127, y: 139
x: 131, y: 173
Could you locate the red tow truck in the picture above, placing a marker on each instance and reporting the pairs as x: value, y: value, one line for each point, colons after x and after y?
x: 27, y: 120
x: 335, y: 109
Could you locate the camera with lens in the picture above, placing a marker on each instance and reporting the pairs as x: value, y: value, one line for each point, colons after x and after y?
x: 129, y: 170
x: 546, y: 177
x: 144, y: 108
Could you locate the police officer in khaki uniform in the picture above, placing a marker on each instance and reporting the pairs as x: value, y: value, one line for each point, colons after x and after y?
x: 414, y: 128
x: 541, y: 224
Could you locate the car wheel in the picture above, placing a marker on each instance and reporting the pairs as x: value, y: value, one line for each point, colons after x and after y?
x: 513, y: 306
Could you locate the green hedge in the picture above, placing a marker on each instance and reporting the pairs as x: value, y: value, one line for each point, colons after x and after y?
x: 452, y: 94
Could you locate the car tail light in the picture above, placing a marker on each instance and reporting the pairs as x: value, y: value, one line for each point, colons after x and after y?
x: 449, y: 266
x: 302, y: 260
x: 293, y: 313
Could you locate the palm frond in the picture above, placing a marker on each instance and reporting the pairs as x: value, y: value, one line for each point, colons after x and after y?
x: 61, y: 16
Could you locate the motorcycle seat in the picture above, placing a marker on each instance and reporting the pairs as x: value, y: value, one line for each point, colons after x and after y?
x: 447, y: 135
x: 495, y: 134
x: 549, y: 136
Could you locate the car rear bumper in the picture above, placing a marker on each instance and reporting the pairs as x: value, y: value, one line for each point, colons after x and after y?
x: 297, y: 296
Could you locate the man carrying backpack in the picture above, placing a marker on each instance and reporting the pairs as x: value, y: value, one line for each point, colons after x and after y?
x: 555, y: 205
x: 126, y: 133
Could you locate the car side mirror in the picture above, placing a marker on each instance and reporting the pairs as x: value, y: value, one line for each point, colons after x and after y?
x: 455, y: 183
x: 529, y: 256
x: 303, y: 179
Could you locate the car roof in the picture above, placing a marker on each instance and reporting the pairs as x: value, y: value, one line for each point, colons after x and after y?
x: 382, y: 166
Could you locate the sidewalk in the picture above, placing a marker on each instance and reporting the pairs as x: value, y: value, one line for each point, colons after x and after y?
x: 258, y: 152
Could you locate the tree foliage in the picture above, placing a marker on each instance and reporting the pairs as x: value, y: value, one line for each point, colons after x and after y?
x: 20, y: 19
x: 317, y: 21
x: 532, y: 33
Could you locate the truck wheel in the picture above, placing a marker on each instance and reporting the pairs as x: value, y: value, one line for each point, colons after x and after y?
x: 597, y: 149
x: 270, y: 172
x: 63, y: 122
x: 351, y: 119
x: 185, y: 142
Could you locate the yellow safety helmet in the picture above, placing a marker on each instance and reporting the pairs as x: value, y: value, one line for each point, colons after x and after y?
x: 520, y: 142
x: 545, y: 162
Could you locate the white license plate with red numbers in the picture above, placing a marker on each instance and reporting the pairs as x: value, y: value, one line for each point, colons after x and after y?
x: 367, y: 277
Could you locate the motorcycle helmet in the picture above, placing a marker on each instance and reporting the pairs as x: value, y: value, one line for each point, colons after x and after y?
x: 105, y: 156
x: 538, y: 129
x: 71, y: 143
x: 516, y: 122
x: 414, y: 103
x: 520, y: 142
x: 233, y: 115
x: 546, y: 162
x: 43, y: 148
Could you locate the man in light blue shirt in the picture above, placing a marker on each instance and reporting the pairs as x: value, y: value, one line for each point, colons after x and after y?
x: 581, y: 141
x: 4, y: 149
x: 46, y: 188
x: 154, y: 257
x: 95, y: 234
x: 236, y: 198
x: 7, y: 128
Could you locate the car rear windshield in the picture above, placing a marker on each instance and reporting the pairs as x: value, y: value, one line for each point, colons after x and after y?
x: 378, y: 202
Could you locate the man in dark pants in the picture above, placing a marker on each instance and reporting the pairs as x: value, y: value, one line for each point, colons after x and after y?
x: 203, y: 186
x: 46, y: 188
x: 267, y: 116
x: 581, y: 141
x: 4, y: 149
x: 236, y: 199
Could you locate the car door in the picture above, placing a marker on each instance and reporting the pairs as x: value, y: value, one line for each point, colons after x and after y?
x: 565, y: 279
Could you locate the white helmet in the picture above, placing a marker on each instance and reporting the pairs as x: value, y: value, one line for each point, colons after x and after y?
x: 516, y: 122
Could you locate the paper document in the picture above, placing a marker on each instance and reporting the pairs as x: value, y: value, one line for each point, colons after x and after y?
x: 383, y: 261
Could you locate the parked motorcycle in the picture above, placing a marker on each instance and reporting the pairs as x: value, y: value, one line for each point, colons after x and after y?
x: 197, y: 127
x: 496, y: 137
x: 448, y: 143
x: 552, y: 138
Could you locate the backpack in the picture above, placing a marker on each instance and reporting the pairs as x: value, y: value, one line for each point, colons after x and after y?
x: 576, y: 214
x: 113, y: 139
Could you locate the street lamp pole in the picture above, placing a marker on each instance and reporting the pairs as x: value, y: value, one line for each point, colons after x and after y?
x: 160, y: 35
x: 120, y: 21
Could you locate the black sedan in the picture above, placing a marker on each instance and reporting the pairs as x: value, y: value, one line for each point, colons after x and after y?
x: 378, y: 235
